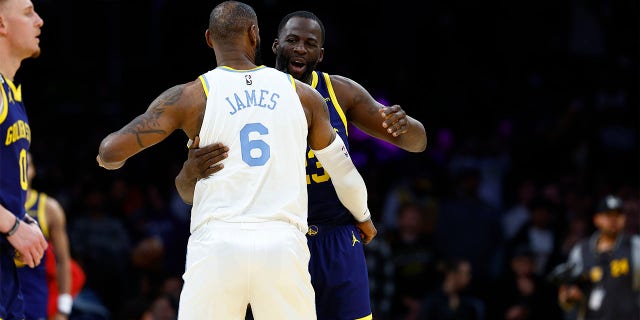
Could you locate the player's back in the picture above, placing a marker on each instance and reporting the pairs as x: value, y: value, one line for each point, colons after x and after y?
x: 258, y: 114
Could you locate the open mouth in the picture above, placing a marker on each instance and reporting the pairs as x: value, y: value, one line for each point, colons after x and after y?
x: 297, y: 66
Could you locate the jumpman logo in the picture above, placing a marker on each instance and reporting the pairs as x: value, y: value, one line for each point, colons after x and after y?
x: 354, y: 240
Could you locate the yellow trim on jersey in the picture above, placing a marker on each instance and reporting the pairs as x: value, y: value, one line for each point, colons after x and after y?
x: 17, y: 92
x: 369, y: 317
x: 293, y: 81
x: 31, y: 199
x: 205, y: 85
x: 232, y: 69
x: 335, y: 103
x: 42, y: 217
x: 4, y: 108
x: 314, y: 79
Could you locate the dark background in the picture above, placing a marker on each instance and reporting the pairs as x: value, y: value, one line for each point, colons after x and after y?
x: 551, y: 86
x: 472, y: 67
x: 467, y: 66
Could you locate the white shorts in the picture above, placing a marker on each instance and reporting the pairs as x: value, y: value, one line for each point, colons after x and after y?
x: 231, y: 265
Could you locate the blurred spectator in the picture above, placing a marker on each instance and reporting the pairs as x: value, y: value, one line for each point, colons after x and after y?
x: 101, y: 246
x: 415, y: 260
x: 380, y: 265
x: 450, y: 301
x: 606, y: 269
x: 519, y: 213
x: 469, y: 228
x: 521, y: 293
x: 540, y: 235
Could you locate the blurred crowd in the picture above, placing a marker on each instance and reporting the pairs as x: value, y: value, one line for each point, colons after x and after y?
x: 516, y: 161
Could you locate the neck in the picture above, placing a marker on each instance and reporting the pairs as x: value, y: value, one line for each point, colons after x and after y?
x: 308, y: 79
x: 9, y: 65
x: 235, y: 58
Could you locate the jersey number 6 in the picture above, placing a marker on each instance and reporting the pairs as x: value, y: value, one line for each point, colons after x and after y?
x: 248, y: 145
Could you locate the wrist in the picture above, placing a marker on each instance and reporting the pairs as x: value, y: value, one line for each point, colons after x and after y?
x: 65, y: 303
x: 366, y: 216
x: 13, y: 229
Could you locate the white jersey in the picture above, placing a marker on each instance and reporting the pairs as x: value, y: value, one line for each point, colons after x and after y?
x: 258, y: 115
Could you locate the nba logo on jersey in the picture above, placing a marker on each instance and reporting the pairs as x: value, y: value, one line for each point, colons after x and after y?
x: 345, y: 152
x: 247, y: 79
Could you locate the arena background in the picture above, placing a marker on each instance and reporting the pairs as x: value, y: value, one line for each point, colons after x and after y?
x: 544, y: 89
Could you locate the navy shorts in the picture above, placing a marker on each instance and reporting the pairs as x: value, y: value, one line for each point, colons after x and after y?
x: 339, y: 273
x: 11, y: 301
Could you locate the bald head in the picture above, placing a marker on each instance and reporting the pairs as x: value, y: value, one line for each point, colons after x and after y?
x: 231, y: 19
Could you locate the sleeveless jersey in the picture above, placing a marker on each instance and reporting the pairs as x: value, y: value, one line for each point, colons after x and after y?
x: 324, y: 205
x: 258, y: 115
x: 33, y: 282
x: 15, y: 138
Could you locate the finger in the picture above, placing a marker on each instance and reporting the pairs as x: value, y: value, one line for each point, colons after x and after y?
x: 196, y: 143
x: 399, y: 128
x: 211, y: 170
x: 36, y: 254
x: 393, y: 119
x: 216, y: 158
x: 27, y: 259
x: 191, y: 144
x: 388, y: 111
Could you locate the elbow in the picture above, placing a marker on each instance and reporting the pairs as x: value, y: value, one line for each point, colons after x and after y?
x: 109, y: 158
x: 422, y: 145
x: 419, y: 145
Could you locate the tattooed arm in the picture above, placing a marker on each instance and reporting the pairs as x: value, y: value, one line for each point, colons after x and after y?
x: 179, y: 107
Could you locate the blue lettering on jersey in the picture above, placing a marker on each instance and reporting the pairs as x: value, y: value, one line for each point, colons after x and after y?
x: 267, y: 100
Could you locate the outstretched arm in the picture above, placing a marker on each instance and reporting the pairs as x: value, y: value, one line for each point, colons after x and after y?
x: 332, y: 153
x: 200, y: 163
x: 179, y: 107
x: 391, y: 124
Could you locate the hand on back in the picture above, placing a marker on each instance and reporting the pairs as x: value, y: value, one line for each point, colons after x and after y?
x: 205, y: 161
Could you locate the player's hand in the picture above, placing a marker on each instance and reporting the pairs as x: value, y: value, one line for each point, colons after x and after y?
x: 367, y: 230
x: 569, y: 294
x: 205, y: 161
x: 395, y: 120
x: 29, y: 243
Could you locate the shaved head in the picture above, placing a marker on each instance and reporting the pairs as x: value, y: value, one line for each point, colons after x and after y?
x: 231, y: 19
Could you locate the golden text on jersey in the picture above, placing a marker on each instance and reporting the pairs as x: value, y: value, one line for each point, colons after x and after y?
x: 15, y: 138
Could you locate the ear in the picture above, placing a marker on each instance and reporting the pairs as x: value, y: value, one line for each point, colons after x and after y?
x: 207, y: 37
x: 321, y: 55
x: 274, y: 46
x: 3, y: 27
x: 254, y: 34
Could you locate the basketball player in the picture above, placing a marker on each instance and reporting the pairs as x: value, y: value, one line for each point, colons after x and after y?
x: 51, y: 218
x: 248, y: 222
x: 19, y: 30
x: 342, y: 289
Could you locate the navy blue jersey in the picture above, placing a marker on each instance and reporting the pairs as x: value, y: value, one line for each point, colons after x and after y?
x: 33, y: 282
x: 324, y: 205
x: 337, y: 265
x: 15, y: 138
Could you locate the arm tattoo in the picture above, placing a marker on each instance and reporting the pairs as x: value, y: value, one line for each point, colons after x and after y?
x: 147, y: 123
